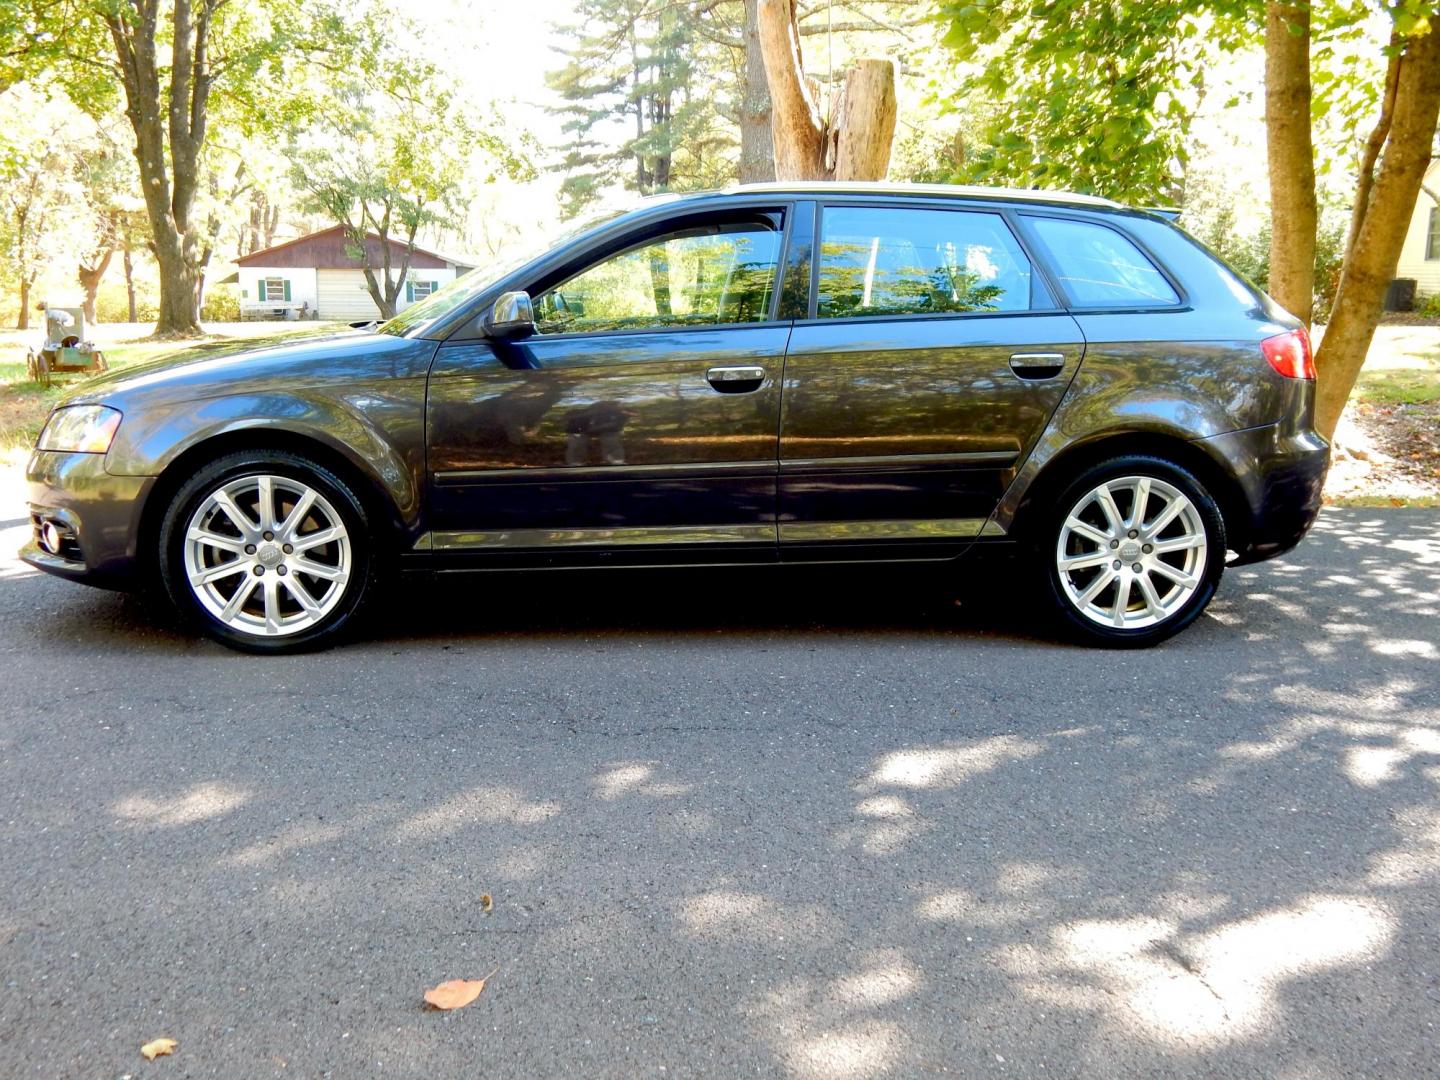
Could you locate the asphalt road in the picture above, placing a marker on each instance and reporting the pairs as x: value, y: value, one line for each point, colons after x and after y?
x: 818, y: 826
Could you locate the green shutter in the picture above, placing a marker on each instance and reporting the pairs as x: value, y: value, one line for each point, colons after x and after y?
x: 287, y: 288
x: 261, y: 290
x: 409, y: 292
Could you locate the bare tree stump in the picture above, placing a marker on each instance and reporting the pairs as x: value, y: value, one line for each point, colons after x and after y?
x: 856, y: 143
x: 865, y: 121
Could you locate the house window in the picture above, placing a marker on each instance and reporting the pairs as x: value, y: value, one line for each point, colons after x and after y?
x: 273, y: 288
x: 419, y: 290
x: 1432, y: 238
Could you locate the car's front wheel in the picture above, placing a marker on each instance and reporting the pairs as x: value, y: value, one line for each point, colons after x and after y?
x: 267, y: 552
x: 1135, y: 549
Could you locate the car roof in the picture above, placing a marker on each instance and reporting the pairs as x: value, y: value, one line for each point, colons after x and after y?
x: 882, y: 187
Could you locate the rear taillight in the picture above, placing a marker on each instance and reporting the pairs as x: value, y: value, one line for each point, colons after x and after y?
x: 1289, y: 354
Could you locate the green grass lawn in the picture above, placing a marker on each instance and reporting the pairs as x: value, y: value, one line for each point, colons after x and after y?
x: 1403, y: 367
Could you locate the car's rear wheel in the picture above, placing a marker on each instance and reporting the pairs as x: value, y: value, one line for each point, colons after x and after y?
x: 267, y: 552
x: 1134, y: 550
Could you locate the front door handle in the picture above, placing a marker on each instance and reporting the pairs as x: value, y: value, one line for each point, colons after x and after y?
x: 1037, y: 365
x: 741, y: 379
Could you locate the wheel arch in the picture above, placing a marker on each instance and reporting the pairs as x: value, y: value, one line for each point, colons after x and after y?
x: 380, y: 507
x: 1072, y: 460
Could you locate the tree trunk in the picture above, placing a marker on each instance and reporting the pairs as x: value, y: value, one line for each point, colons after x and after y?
x: 129, y: 264
x: 865, y: 123
x: 1293, y: 214
x: 170, y: 124
x: 757, y: 148
x: 22, y: 321
x: 796, y: 126
x: 856, y: 146
x: 179, y: 286
x: 90, y: 278
x: 1380, y: 231
x: 250, y: 232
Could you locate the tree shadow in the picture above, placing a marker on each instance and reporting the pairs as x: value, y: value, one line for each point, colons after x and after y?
x: 875, y: 840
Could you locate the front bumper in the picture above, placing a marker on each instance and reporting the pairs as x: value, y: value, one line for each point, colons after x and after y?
x: 96, y: 514
x: 1281, y: 473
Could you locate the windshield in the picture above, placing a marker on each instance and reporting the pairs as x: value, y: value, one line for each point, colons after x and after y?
x: 471, y: 284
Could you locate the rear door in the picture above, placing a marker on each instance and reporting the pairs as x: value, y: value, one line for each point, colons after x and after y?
x: 643, y: 415
x: 932, y: 359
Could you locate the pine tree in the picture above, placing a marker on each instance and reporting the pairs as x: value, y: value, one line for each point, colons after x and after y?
x: 644, y: 95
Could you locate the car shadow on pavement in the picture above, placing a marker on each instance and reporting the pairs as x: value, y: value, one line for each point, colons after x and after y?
x: 769, y: 848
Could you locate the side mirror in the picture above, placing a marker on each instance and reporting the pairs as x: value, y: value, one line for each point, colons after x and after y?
x: 513, y: 316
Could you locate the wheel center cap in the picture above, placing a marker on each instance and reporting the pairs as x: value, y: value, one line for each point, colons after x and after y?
x: 1129, y: 551
x: 269, y: 555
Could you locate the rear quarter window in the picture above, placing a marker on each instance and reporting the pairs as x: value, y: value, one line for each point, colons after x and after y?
x: 1098, y: 267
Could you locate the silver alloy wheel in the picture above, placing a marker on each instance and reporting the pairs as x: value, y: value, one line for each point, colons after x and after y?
x: 267, y: 555
x: 1131, y: 552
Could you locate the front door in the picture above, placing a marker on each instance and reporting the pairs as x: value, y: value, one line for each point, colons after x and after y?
x: 643, y: 415
x: 933, y: 360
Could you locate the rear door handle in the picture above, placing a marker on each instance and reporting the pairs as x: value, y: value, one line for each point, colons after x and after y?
x: 741, y: 379
x: 1037, y: 365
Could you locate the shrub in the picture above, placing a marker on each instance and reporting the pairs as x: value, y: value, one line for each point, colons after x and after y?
x: 222, y: 304
x: 112, y: 307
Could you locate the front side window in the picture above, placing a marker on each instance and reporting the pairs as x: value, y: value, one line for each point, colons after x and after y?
x: 708, y: 275
x: 1100, y: 268
x: 896, y: 261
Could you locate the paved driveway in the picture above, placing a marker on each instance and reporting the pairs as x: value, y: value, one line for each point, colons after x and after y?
x: 734, y: 824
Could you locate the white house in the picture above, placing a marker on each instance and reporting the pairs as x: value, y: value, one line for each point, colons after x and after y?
x: 316, y: 276
x: 1420, y: 256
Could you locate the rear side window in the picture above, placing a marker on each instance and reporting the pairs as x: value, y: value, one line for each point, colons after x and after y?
x: 898, y: 261
x: 1100, y: 268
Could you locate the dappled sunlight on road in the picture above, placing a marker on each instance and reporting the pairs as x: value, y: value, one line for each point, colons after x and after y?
x: 824, y: 1028
x: 198, y: 803
x: 286, y: 842
x: 895, y: 842
x: 635, y: 779
x: 949, y: 766
x: 1199, y: 990
x: 1415, y: 860
x: 480, y: 806
x: 11, y: 541
x: 730, y: 913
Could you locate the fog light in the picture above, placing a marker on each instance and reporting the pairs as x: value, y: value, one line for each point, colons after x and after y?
x: 50, y: 538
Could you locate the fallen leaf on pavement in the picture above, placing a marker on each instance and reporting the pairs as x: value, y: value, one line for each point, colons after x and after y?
x: 487, y: 903
x: 158, y: 1048
x: 457, y: 993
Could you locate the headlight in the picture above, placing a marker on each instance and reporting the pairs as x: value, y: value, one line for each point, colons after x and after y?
x: 80, y: 429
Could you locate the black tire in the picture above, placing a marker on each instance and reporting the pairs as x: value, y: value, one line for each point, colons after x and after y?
x: 1205, y: 569
x: 337, y: 497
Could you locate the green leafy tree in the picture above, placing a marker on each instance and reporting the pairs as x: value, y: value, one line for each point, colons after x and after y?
x: 42, y: 208
x: 111, y: 203
x: 1088, y: 95
x: 1104, y: 90
x: 391, y: 163
x: 640, y: 67
x: 178, y: 66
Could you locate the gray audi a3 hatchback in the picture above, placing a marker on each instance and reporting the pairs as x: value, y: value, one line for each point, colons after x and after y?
x: 778, y: 373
